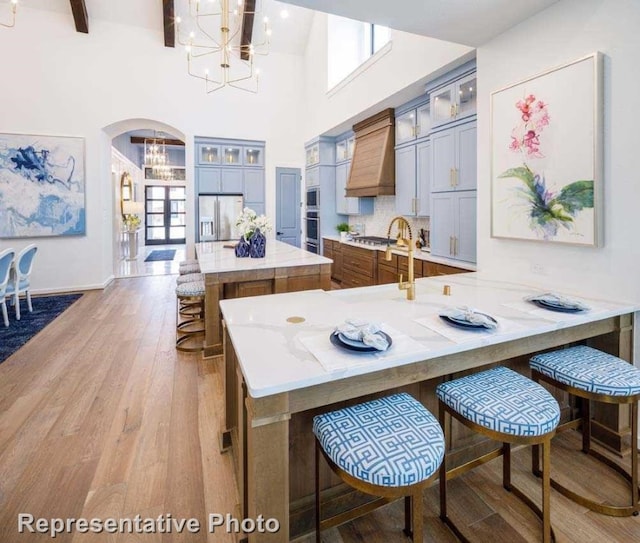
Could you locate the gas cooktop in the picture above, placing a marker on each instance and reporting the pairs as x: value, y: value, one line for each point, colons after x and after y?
x: 374, y: 240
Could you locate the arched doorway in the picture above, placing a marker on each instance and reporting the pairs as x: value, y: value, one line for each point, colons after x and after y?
x: 137, y: 191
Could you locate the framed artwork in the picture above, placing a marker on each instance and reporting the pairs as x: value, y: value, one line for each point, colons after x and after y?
x: 42, y: 186
x: 546, y: 156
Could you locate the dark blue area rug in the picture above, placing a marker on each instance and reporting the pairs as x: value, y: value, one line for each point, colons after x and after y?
x: 164, y: 254
x: 45, y: 309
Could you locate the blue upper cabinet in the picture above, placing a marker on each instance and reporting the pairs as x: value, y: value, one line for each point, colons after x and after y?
x: 413, y: 124
x: 347, y: 205
x: 454, y: 158
x: 454, y: 101
x: 413, y: 179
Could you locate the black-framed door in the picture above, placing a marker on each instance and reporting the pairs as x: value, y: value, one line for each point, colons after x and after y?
x: 165, y: 218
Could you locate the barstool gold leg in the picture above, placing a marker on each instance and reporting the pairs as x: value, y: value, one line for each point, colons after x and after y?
x: 506, y: 466
x: 634, y: 458
x: 443, y: 465
x: 546, y: 491
x: 586, y: 425
x: 317, y: 491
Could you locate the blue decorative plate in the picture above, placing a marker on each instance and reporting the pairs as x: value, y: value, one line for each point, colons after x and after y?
x: 557, y: 307
x: 461, y: 323
x: 356, y: 346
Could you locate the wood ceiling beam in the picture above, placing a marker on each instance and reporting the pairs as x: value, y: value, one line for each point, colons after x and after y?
x: 169, y: 15
x: 79, y: 10
x: 160, y: 141
x: 247, y: 27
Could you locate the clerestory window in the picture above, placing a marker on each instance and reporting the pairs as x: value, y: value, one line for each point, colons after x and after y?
x: 350, y: 43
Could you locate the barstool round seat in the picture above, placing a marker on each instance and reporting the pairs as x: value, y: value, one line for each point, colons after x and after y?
x: 191, y: 289
x: 392, y: 441
x: 188, y: 261
x: 508, y: 407
x: 502, y: 400
x: 390, y: 448
x: 589, y: 369
x: 596, y: 376
x: 189, y: 268
x: 189, y: 278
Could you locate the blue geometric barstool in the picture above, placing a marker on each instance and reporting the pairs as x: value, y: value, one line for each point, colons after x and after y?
x: 505, y: 406
x: 593, y: 375
x: 190, y: 332
x: 390, y: 448
x: 189, y: 266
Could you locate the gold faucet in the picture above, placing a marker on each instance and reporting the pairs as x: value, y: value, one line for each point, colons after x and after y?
x: 403, y: 225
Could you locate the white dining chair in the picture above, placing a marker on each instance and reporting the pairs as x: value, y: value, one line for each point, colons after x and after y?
x: 21, y: 275
x: 6, y: 259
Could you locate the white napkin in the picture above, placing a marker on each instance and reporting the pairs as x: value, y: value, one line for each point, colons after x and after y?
x: 471, y: 316
x: 364, y: 331
x: 558, y: 299
x: 333, y: 358
x: 460, y: 335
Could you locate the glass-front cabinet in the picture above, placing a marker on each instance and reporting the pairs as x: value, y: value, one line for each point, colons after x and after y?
x: 413, y: 124
x: 208, y: 154
x: 253, y: 156
x: 313, y: 155
x: 231, y: 155
x: 455, y: 101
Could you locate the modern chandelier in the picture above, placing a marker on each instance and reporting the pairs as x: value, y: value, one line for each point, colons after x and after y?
x: 218, y: 51
x: 14, y: 8
x: 155, y: 156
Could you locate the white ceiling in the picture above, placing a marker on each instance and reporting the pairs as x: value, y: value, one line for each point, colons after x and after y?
x: 469, y: 22
x: 289, y: 35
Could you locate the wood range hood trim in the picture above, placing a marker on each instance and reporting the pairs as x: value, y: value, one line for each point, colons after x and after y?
x: 373, y: 167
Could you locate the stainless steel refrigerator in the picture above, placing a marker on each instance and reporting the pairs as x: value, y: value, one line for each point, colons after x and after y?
x: 217, y: 216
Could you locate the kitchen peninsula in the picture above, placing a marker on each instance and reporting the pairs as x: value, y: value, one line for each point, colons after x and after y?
x: 284, y: 268
x: 275, y: 385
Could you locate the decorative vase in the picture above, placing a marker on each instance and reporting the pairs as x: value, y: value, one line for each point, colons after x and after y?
x: 242, y: 248
x: 257, y: 244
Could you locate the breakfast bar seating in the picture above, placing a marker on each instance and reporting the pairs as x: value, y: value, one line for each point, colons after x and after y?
x: 505, y: 406
x: 595, y: 376
x: 389, y: 447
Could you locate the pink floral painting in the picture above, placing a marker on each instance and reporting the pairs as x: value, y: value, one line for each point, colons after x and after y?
x: 545, y: 156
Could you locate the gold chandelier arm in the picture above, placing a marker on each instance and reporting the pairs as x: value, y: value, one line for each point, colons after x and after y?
x: 14, y: 7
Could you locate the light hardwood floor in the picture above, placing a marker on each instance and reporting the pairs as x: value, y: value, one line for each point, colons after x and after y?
x: 101, y: 417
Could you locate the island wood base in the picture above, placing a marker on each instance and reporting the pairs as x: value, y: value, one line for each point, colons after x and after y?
x: 272, y: 440
x: 239, y: 284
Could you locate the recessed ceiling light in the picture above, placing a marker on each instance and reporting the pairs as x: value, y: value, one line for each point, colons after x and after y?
x: 284, y: 14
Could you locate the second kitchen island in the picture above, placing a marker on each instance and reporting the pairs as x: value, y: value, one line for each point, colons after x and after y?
x: 281, y: 370
x: 284, y: 268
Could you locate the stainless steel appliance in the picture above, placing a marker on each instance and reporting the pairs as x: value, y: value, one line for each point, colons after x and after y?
x: 313, y: 198
x: 312, y: 223
x: 217, y: 216
x: 374, y: 240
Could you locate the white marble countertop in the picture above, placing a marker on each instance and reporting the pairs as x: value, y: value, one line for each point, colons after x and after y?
x: 274, y: 356
x: 214, y: 257
x: 417, y: 254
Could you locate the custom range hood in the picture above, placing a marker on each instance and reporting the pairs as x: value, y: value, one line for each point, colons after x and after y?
x: 373, y: 165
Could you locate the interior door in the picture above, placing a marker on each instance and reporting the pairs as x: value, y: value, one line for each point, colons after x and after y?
x: 165, y: 218
x: 288, y: 204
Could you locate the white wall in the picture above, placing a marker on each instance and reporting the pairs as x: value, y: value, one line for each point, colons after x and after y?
x: 564, y: 32
x: 411, y: 58
x: 61, y: 82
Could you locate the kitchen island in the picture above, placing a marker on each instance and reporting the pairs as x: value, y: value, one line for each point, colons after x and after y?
x: 275, y: 385
x: 284, y: 268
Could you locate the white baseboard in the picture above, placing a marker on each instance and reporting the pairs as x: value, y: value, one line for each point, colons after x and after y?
x: 78, y: 288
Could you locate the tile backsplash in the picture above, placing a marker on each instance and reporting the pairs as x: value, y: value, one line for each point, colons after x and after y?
x: 384, y: 210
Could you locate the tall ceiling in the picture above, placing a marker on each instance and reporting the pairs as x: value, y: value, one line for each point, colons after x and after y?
x: 469, y: 22
x: 289, y: 35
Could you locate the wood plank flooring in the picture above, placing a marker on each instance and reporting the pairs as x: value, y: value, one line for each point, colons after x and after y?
x: 101, y: 417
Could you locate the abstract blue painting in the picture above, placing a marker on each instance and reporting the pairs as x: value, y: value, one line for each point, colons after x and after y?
x: 42, y: 186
